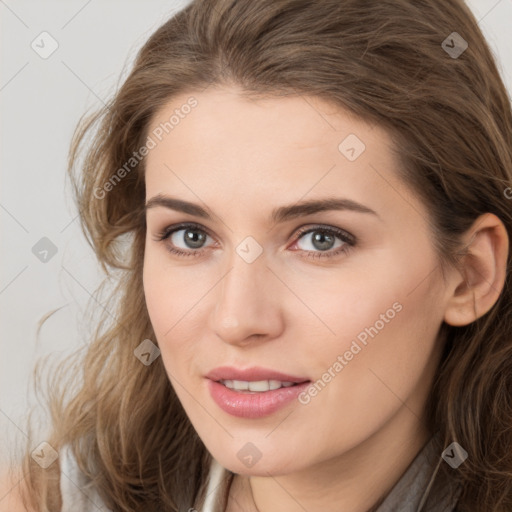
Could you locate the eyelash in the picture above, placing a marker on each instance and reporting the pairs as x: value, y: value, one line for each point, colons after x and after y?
x: 349, y: 241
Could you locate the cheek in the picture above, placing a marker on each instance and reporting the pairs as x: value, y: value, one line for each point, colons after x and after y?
x: 388, y: 353
x: 392, y: 290
x: 156, y: 294
x: 169, y: 292
x: 386, y: 320
x: 173, y: 304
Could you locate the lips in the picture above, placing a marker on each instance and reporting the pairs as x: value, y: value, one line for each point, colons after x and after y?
x: 226, y: 387
x: 252, y: 374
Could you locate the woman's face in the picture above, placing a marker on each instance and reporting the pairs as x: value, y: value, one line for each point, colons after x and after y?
x: 344, y: 299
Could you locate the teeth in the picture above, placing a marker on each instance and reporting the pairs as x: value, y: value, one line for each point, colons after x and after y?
x: 261, y: 385
x: 258, y: 386
x: 241, y: 385
x: 273, y: 384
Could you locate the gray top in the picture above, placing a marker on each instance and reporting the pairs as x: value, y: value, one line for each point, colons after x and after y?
x: 418, y: 490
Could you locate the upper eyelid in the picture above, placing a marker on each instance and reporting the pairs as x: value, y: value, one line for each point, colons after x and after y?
x: 325, y: 227
x: 188, y: 225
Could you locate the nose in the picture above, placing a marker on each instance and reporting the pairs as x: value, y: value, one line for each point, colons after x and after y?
x: 248, y: 306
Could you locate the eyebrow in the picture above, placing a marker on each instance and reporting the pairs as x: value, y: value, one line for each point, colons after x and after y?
x: 280, y: 214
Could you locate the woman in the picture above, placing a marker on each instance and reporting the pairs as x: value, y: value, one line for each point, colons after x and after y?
x: 307, y: 206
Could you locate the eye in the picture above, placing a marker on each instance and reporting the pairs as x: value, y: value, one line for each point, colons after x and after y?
x: 324, y: 242
x: 185, y: 239
x: 321, y: 241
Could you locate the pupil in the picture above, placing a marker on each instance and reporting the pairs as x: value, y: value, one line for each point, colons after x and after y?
x: 322, y: 241
x: 194, y: 239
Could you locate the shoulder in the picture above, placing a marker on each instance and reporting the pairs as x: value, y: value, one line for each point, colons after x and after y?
x: 10, y: 497
x: 78, y: 494
x: 219, y: 480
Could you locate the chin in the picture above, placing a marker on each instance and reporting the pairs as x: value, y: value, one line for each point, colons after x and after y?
x: 263, y: 467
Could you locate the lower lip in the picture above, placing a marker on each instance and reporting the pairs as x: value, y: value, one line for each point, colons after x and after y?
x: 253, y: 405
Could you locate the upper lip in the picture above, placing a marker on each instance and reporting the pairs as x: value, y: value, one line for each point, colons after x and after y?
x: 255, y: 373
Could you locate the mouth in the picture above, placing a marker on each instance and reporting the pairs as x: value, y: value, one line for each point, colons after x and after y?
x: 255, y: 392
x: 258, y: 386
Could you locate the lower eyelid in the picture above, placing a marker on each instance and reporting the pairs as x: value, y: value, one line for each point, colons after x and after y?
x: 333, y: 253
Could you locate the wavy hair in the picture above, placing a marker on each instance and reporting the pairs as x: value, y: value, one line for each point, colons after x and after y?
x: 451, y: 122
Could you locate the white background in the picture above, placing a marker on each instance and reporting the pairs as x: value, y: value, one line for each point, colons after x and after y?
x: 41, y: 101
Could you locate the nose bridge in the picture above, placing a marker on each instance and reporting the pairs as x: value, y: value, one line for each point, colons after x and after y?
x: 244, y: 305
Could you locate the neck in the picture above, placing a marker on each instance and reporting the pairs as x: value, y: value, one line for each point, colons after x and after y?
x: 357, y: 481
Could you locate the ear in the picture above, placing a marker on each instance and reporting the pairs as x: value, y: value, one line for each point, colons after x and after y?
x: 483, y: 271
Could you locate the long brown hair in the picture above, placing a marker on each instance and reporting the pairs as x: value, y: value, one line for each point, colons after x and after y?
x: 385, y: 61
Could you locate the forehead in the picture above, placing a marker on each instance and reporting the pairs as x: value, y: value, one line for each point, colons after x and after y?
x: 224, y: 116
x: 274, y: 149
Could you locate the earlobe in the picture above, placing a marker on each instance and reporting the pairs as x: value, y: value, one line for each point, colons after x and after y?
x: 483, y: 271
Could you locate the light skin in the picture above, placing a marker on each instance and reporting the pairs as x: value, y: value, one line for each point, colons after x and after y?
x: 239, y: 159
